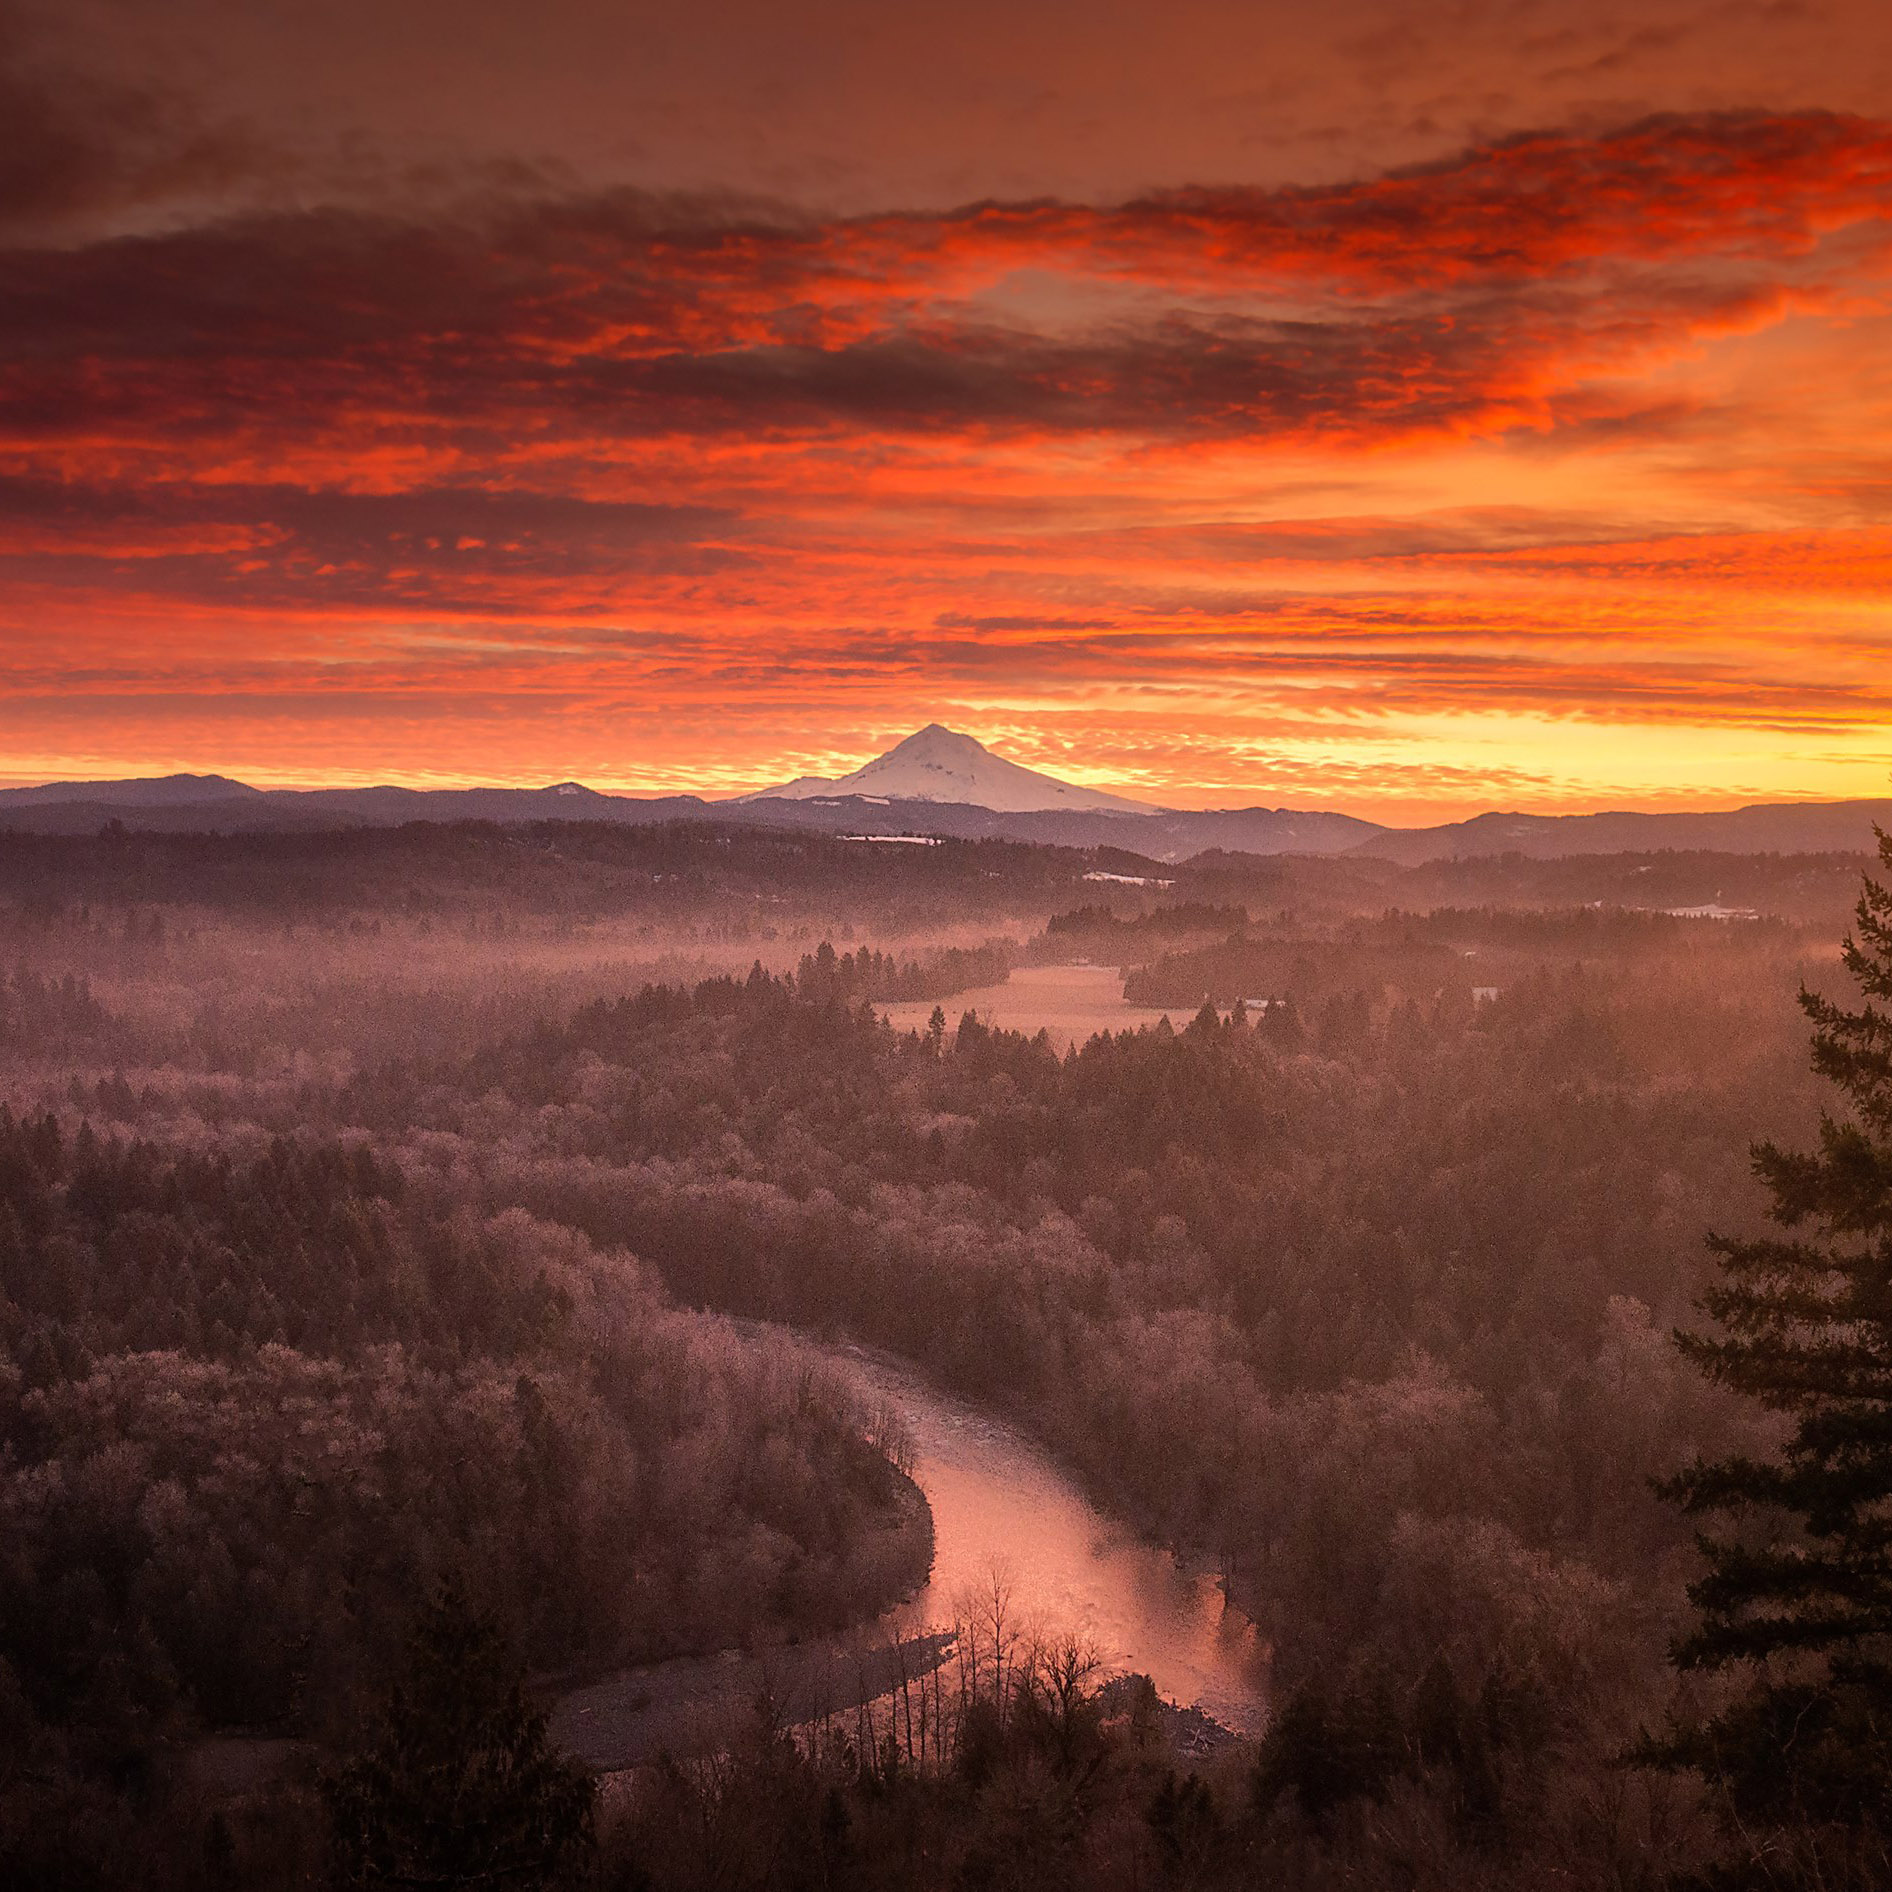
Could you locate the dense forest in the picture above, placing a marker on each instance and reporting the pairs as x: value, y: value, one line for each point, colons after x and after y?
x: 378, y: 1211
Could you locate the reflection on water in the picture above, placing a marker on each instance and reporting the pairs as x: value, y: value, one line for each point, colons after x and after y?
x: 1070, y: 1002
x: 999, y: 1502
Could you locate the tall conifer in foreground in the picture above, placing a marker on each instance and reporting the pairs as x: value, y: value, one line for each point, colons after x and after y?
x: 1798, y: 1592
x: 462, y: 1788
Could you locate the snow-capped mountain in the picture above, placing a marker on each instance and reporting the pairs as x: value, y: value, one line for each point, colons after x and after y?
x: 941, y: 765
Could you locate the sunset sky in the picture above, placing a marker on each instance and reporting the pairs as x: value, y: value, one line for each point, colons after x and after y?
x: 1404, y: 409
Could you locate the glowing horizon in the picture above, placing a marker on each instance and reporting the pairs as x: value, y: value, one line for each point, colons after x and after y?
x: 1417, y: 811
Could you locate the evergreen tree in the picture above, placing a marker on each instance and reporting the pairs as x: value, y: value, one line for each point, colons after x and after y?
x: 461, y: 1787
x: 1797, y: 1595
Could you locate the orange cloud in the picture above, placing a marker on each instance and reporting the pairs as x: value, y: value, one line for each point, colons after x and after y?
x: 1458, y: 442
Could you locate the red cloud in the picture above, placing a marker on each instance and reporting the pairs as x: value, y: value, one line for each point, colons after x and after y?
x: 1455, y: 297
x: 724, y: 448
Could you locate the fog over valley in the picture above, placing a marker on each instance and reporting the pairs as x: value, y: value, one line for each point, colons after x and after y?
x: 956, y: 1348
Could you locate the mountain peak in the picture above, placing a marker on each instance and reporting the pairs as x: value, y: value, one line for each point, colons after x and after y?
x: 937, y: 739
x: 939, y: 764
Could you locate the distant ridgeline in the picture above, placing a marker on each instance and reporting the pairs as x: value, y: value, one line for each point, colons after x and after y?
x: 953, y: 807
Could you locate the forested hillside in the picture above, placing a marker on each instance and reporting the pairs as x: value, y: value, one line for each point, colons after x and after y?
x: 256, y: 1399
x: 402, y: 1244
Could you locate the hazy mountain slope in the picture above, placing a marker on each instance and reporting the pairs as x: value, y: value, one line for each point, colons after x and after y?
x: 953, y: 766
x: 1763, y: 828
x: 82, y: 809
x: 160, y: 791
x: 1158, y: 834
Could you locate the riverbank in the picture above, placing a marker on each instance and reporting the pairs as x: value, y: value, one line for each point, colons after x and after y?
x: 681, y: 1704
x: 690, y: 1705
x: 986, y: 1520
x: 1015, y: 1526
x: 685, y: 1704
x: 1010, y: 1532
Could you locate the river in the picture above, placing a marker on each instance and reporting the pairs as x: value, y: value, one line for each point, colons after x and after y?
x: 1070, y: 1002
x: 1001, y: 1507
x: 1002, y: 1504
